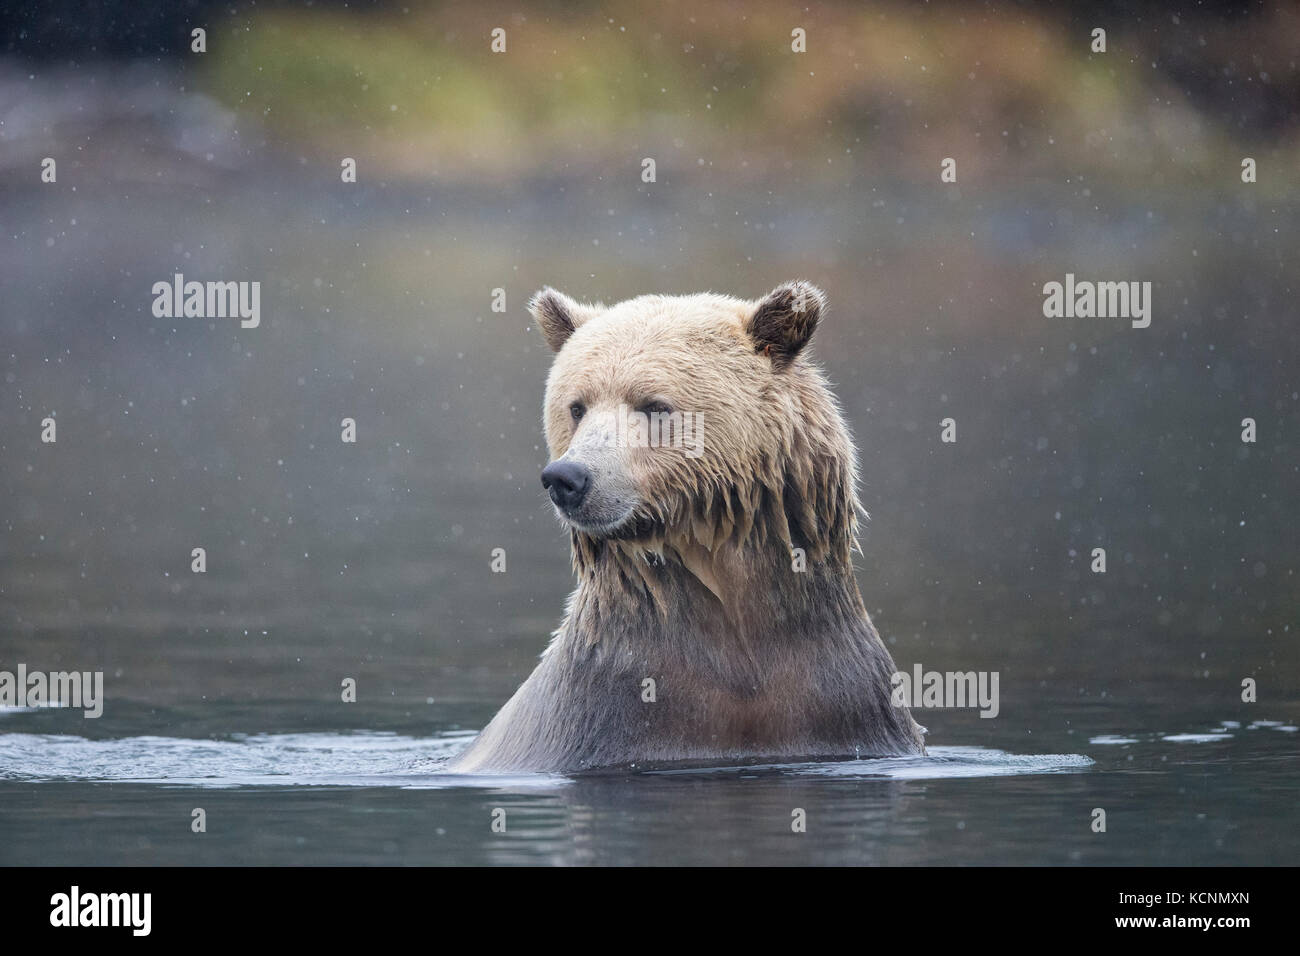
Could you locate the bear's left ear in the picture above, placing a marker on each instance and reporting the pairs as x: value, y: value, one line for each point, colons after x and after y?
x: 785, y: 320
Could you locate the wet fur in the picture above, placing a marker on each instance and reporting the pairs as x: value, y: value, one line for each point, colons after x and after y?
x: 750, y: 659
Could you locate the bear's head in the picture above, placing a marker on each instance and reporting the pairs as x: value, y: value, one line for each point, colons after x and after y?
x: 695, y: 420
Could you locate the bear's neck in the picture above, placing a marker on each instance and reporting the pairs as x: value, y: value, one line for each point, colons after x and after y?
x: 731, y: 598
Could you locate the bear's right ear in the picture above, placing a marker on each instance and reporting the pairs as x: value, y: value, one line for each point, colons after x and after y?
x: 558, y: 316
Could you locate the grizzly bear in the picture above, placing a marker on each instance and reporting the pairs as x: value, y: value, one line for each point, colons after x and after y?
x: 716, y: 617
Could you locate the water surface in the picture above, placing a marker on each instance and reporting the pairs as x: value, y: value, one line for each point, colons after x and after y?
x: 1215, y: 794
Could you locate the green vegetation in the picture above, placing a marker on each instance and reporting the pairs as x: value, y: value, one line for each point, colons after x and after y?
x: 1012, y: 93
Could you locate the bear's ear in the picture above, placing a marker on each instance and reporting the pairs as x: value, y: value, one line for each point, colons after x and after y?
x: 558, y: 316
x: 785, y: 320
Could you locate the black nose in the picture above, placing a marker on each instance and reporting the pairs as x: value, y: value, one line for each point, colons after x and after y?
x: 567, y: 482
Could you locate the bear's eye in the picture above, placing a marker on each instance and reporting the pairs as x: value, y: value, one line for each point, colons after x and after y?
x: 655, y: 408
x: 577, y: 410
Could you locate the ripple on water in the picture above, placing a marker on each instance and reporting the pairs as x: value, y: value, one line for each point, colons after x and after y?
x: 938, y: 763
x: 1226, y: 730
x: 370, y: 759
x: 355, y: 759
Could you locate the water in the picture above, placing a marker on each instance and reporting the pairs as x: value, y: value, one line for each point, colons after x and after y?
x: 1222, y: 793
x: 1119, y: 691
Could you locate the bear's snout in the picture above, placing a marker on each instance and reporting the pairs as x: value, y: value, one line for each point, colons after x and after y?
x: 567, y: 482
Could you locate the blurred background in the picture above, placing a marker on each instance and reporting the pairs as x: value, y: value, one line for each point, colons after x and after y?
x: 479, y: 170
